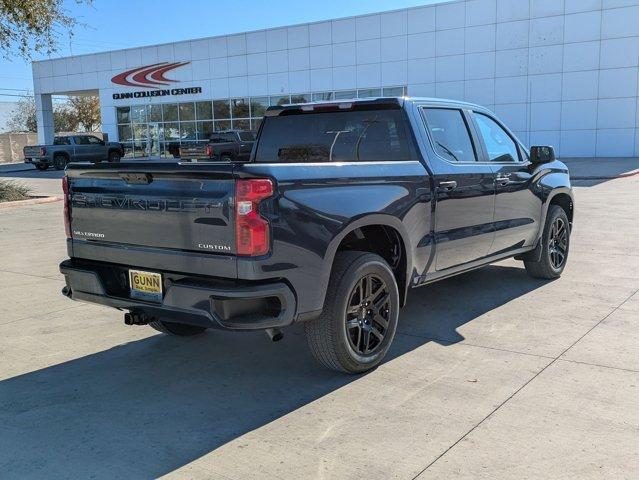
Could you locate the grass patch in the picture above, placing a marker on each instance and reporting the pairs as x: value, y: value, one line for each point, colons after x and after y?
x: 11, y: 191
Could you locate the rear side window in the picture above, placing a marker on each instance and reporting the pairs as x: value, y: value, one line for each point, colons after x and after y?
x: 62, y: 141
x: 247, y: 136
x: 450, y: 134
x: 353, y: 136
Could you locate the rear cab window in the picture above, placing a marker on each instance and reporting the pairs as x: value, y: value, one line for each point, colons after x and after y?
x: 336, y: 136
x: 62, y: 141
x: 247, y: 136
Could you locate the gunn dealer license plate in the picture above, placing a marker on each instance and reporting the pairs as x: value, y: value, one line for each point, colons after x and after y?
x: 145, y: 285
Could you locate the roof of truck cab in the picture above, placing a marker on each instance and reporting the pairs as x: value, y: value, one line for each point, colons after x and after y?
x: 381, y: 101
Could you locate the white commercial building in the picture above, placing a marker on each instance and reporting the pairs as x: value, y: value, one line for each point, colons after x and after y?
x: 558, y: 72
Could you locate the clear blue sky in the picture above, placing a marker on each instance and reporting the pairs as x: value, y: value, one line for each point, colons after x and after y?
x: 115, y: 24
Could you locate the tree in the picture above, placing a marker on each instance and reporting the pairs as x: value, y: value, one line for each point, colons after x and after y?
x: 87, y: 111
x: 28, y: 26
x: 79, y: 113
x: 64, y: 119
x: 23, y: 117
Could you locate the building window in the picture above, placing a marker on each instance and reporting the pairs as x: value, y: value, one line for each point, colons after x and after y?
x: 138, y: 114
x: 345, y: 95
x: 221, y: 109
x: 204, y: 110
x: 124, y: 114
x: 158, y: 130
x: 170, y: 112
x: 155, y: 113
x: 370, y: 92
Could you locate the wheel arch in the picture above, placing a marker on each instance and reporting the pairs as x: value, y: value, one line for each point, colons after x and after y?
x: 371, y: 225
x: 563, y: 197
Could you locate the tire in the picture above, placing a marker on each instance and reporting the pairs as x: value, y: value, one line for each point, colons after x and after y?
x: 42, y: 166
x: 226, y: 158
x: 59, y: 162
x: 176, y: 329
x: 114, y: 156
x: 554, y: 246
x: 336, y: 338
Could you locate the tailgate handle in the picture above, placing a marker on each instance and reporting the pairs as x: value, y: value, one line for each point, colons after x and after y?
x: 137, y: 178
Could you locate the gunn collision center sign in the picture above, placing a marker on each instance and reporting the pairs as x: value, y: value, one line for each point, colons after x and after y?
x: 151, y: 76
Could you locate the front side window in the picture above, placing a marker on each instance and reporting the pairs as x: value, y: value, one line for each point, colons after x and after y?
x: 83, y: 140
x: 352, y: 136
x: 94, y: 140
x: 450, y: 134
x: 500, y: 147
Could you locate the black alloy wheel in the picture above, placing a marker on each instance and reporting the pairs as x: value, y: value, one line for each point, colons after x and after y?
x: 114, y: 157
x: 558, y: 243
x: 356, y: 327
x: 367, y: 315
x: 550, y: 262
x: 59, y: 162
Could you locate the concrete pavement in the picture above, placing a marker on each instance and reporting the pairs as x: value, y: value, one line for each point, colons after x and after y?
x: 492, y: 375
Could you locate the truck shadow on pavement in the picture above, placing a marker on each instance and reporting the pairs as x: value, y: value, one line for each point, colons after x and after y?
x: 148, y: 407
x: 32, y: 173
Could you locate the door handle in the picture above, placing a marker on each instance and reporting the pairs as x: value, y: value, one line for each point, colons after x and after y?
x: 448, y: 185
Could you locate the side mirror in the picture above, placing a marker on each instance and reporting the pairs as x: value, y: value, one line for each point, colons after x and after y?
x: 542, y: 154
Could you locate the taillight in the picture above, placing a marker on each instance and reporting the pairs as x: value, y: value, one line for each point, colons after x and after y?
x: 43, y: 151
x: 251, y: 230
x: 209, y: 150
x: 67, y: 206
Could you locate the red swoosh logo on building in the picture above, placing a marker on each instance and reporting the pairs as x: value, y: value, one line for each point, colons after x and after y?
x: 148, y: 75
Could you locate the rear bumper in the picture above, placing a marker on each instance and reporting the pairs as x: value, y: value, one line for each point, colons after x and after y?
x: 36, y: 160
x: 209, y: 303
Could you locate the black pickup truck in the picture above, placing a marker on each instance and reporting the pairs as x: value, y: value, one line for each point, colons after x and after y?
x: 340, y: 209
x: 226, y: 146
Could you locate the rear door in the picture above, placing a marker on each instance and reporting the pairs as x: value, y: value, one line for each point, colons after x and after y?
x: 85, y: 149
x: 465, y: 189
x: 517, y: 207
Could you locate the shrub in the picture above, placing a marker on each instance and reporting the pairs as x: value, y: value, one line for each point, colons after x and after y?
x: 11, y: 191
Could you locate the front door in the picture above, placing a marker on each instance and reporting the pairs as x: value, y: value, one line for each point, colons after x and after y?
x: 465, y: 189
x: 517, y: 207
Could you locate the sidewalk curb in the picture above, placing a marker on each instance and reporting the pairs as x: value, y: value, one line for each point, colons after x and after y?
x: 621, y: 175
x: 15, y: 167
x: 30, y: 201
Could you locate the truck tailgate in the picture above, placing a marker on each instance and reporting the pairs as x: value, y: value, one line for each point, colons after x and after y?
x: 31, y: 151
x: 144, y: 210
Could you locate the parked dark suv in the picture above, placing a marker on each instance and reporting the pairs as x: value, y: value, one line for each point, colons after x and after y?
x: 340, y: 209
